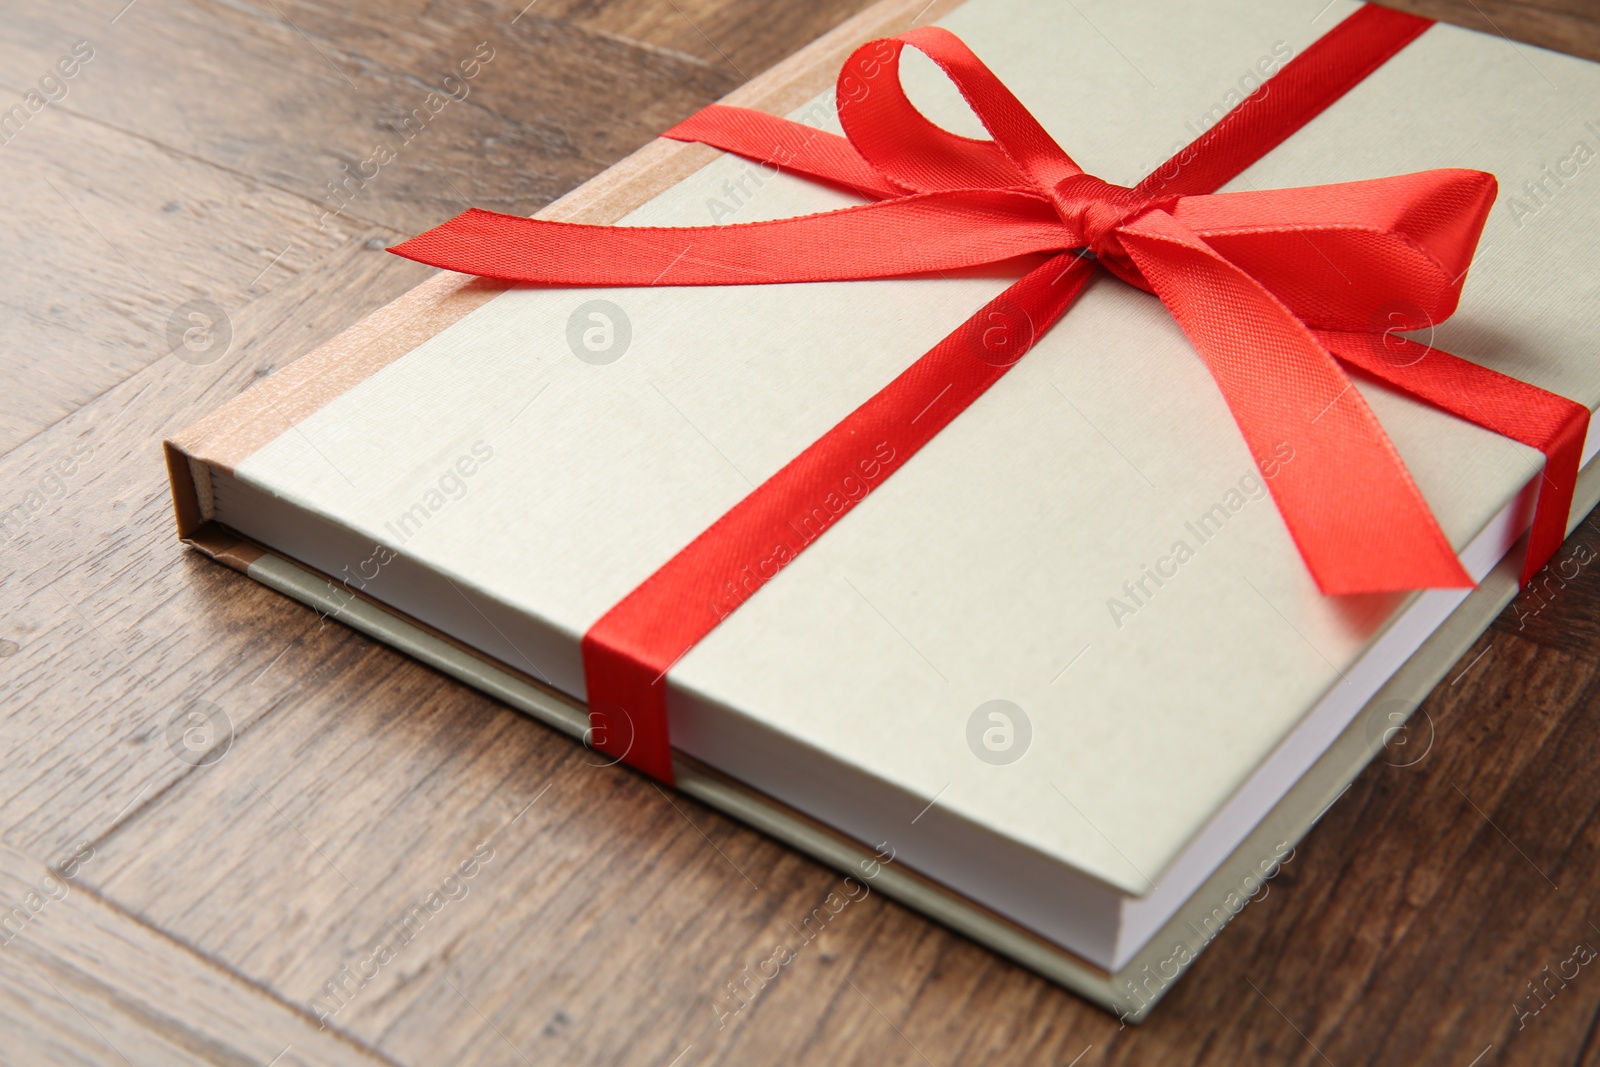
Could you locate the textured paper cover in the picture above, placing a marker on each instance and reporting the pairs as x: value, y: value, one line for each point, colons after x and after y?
x: 984, y: 568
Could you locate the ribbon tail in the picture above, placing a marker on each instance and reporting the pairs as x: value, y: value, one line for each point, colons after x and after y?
x: 907, y: 235
x: 1525, y: 413
x: 790, y: 146
x: 1348, y: 501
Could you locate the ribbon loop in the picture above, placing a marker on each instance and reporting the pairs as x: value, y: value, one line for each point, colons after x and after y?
x: 1372, y: 255
x: 919, y: 156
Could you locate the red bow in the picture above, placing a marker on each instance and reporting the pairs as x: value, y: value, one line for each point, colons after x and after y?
x: 1274, y: 288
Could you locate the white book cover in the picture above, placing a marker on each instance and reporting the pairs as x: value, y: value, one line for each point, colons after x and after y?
x: 975, y: 662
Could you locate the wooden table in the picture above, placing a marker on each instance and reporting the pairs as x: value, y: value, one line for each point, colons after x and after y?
x: 175, y: 910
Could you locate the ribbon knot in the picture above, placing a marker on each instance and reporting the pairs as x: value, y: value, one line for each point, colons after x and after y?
x: 1093, y: 208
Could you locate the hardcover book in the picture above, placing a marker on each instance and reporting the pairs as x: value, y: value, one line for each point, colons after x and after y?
x: 1067, y: 666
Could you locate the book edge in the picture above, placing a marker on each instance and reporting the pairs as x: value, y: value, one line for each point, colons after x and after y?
x: 1286, y: 824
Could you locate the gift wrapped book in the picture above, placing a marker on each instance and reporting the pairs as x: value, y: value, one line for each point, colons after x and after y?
x: 1070, y: 527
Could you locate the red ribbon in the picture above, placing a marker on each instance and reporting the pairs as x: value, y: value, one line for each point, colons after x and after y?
x: 1275, y: 289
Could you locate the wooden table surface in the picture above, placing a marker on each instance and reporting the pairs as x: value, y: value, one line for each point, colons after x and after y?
x: 164, y: 909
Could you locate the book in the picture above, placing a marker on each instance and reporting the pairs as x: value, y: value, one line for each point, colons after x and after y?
x: 1077, y: 741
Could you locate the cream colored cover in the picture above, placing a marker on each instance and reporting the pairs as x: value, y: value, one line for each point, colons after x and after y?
x: 988, y: 568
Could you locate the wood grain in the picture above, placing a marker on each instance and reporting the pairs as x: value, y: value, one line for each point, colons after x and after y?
x: 97, y: 986
x: 603, y: 919
x: 1564, y: 25
x: 96, y: 265
x: 144, y: 187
